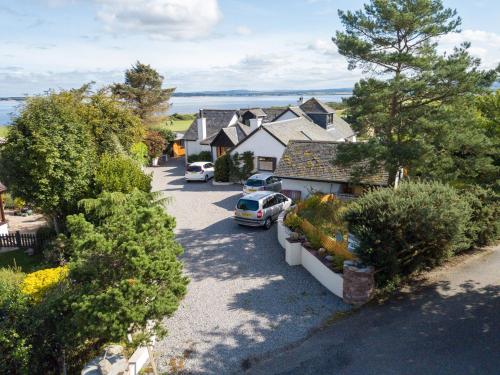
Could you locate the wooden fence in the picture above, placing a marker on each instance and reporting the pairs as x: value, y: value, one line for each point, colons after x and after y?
x: 23, y: 240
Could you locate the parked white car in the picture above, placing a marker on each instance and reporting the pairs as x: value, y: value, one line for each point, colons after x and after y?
x: 199, y: 171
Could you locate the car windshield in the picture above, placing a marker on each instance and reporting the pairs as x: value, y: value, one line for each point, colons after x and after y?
x: 248, y: 205
x: 252, y: 182
x: 194, y: 168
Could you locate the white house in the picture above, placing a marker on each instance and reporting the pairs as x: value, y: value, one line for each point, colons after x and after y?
x: 268, y: 141
x: 309, y: 166
x: 220, y: 131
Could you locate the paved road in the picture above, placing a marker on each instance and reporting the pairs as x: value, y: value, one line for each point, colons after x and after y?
x: 243, y: 299
x: 450, y: 327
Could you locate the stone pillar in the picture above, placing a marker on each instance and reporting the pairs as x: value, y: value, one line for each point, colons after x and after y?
x: 359, y: 283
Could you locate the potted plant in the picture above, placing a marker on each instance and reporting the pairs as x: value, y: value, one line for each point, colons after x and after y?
x: 156, y: 144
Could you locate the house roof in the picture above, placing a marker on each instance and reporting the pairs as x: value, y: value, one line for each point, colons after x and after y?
x: 2, y: 188
x: 269, y: 114
x: 340, y: 129
x: 216, y: 120
x: 298, y: 128
x: 257, y: 112
x: 235, y: 133
x: 313, y: 161
x: 314, y: 105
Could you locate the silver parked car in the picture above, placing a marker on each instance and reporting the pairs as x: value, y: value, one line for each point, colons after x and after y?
x: 260, y: 208
x: 262, y: 181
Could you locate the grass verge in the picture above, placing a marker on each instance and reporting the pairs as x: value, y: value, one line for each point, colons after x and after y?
x: 19, y: 259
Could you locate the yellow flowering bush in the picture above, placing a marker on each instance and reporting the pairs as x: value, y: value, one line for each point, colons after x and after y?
x: 37, y: 283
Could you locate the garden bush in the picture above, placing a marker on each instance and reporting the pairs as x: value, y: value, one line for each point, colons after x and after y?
x: 202, y: 156
x: 484, y: 227
x: 120, y: 173
x: 36, y: 284
x: 223, y: 168
x: 406, y: 229
x: 292, y: 221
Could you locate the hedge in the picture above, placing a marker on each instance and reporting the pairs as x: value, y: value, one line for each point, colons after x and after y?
x: 415, y: 226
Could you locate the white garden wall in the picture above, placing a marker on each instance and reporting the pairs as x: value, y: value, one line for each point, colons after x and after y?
x: 4, y: 229
x: 296, y: 254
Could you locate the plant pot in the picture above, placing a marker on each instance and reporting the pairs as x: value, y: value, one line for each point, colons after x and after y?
x: 154, y: 162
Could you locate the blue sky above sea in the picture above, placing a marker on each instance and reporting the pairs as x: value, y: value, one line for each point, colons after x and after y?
x: 197, y: 44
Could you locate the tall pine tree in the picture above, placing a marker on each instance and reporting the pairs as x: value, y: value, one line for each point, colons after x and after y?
x: 410, y: 84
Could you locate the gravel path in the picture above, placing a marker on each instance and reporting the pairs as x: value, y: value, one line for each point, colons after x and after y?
x: 243, y: 299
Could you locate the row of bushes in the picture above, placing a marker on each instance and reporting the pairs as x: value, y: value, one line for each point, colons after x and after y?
x: 202, y: 156
x: 420, y: 224
x: 234, y: 168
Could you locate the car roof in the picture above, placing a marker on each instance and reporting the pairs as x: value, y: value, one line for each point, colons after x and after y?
x: 199, y: 163
x: 258, y: 195
x: 260, y: 176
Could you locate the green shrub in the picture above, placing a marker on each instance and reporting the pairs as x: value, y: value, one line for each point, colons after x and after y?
x: 484, y: 227
x: 292, y: 221
x: 139, y: 153
x: 403, y: 230
x: 223, y: 168
x: 120, y: 173
x: 202, y: 156
x: 314, y: 239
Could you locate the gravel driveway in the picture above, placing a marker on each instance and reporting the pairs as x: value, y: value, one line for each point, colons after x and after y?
x: 243, y: 299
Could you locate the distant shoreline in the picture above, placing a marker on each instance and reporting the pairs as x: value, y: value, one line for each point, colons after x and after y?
x: 237, y: 93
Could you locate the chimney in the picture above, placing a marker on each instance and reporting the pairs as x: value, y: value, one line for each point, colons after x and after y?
x: 202, y: 126
x: 255, y: 123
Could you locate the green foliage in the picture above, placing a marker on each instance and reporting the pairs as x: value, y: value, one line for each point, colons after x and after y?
x: 120, y: 173
x: 223, y: 168
x: 484, y: 226
x: 49, y: 157
x: 114, y: 129
x: 314, y: 239
x: 404, y: 230
x: 326, y: 215
x: 182, y: 116
x: 396, y: 40
x: 143, y: 91
x: 15, y: 345
x: 125, y: 265
x: 292, y: 221
x: 202, y: 156
x: 139, y: 153
x: 241, y: 166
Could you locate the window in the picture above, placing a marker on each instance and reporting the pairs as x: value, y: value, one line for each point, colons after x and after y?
x: 266, y: 164
x: 281, y: 198
x: 248, y: 205
x: 271, y: 202
x: 208, y: 165
x: 194, y: 168
x: 253, y: 182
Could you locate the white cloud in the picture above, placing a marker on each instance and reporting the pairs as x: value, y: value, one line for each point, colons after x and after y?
x: 484, y: 44
x: 169, y: 19
x: 243, y: 30
x: 325, y: 47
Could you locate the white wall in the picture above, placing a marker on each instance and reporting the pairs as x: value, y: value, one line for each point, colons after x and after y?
x: 4, y: 229
x: 261, y: 143
x: 194, y: 147
x: 305, y: 186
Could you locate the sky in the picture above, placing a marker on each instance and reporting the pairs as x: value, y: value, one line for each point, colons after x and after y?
x: 197, y: 44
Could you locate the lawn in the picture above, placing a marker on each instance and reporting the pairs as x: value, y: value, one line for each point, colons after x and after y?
x: 3, y: 130
x: 179, y: 126
x: 20, y: 259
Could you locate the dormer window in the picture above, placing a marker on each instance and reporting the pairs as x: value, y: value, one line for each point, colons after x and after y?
x: 330, y: 118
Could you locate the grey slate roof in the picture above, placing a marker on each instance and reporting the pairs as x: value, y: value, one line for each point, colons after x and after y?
x: 314, y: 105
x: 235, y: 133
x: 296, y: 129
x: 313, y: 160
x: 216, y: 120
x: 269, y: 113
x: 340, y: 129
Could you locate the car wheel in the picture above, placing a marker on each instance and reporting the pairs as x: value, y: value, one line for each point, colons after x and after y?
x: 268, y: 223
x: 206, y: 178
